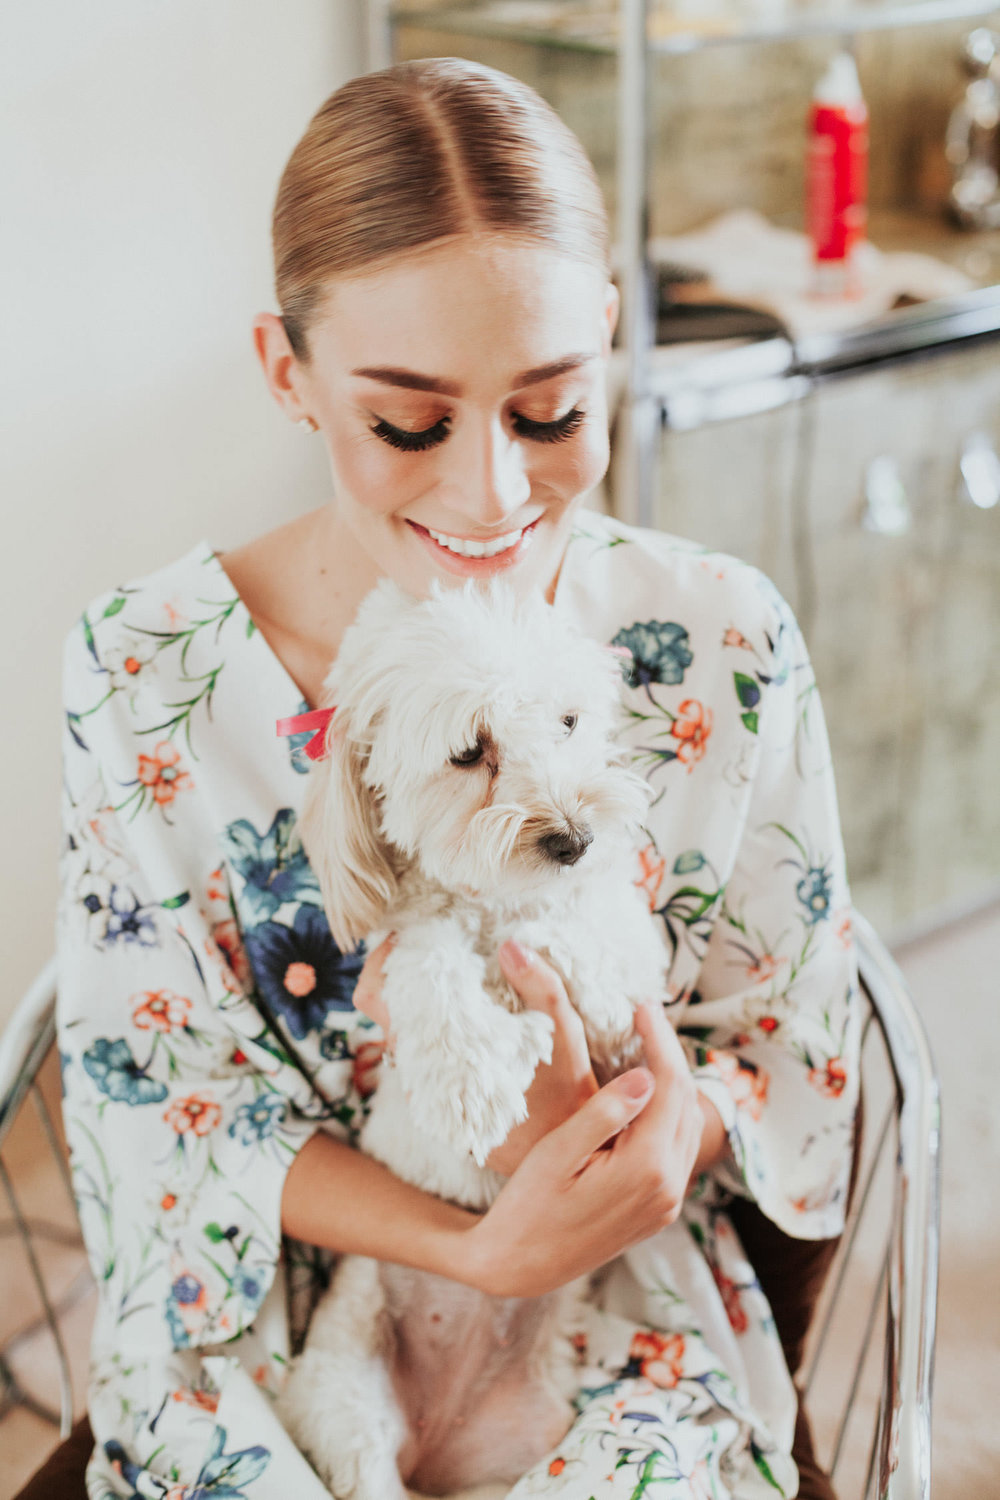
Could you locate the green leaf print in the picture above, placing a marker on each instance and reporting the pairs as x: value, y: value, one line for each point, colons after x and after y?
x: 750, y: 722
x: 173, y: 902
x: 747, y: 690
x: 689, y: 863
x: 251, y: 627
x: 764, y: 1467
x: 115, y: 607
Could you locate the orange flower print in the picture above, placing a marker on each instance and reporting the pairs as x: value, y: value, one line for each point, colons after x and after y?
x: 692, y: 727
x: 161, y: 774
x: 193, y: 1115
x: 168, y: 1201
x: 768, y: 1023
x: 831, y: 1080
x: 652, y: 867
x: 556, y: 1466
x: 763, y: 968
x: 842, y: 928
x: 733, y: 637
x: 366, y: 1060
x: 748, y: 1086
x: 160, y: 1010
x: 738, y: 1320
x: 204, y: 1400
x: 659, y: 1356
x: 227, y: 937
x: 579, y: 1342
x: 216, y: 886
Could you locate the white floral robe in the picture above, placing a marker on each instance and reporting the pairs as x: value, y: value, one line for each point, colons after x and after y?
x: 206, y: 1025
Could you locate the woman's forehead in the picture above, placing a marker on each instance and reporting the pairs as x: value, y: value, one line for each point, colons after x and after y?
x: 442, y: 314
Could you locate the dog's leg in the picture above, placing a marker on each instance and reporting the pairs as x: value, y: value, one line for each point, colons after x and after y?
x: 338, y: 1402
x: 464, y: 1061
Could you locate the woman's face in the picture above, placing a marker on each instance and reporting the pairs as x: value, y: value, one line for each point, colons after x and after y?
x: 461, y: 395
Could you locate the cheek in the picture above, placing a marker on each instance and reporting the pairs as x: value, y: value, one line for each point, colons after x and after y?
x: 369, y: 472
x: 577, y: 464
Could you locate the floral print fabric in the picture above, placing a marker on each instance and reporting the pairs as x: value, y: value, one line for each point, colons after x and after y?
x: 206, y: 1025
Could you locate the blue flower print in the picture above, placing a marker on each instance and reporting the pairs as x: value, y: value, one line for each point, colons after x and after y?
x: 255, y: 1122
x: 187, y: 1289
x: 297, y: 745
x: 660, y: 650
x: 250, y: 1288
x: 117, y: 1074
x: 225, y: 1475
x: 813, y: 890
x: 300, y: 972
x: 127, y: 922
x: 273, y: 865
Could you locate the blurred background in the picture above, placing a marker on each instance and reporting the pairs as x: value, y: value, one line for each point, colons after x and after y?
x: 846, y: 446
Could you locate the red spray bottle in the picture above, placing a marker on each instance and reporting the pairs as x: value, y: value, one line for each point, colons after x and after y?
x: 837, y: 178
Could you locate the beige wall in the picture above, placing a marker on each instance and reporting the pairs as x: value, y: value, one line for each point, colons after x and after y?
x: 142, y: 146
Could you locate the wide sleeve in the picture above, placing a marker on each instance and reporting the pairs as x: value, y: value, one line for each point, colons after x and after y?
x: 773, y: 1033
x: 181, y: 1115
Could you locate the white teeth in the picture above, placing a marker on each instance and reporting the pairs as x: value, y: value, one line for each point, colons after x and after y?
x: 476, y: 549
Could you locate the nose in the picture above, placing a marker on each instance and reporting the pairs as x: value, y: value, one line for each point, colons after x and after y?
x: 567, y: 845
x: 492, y: 482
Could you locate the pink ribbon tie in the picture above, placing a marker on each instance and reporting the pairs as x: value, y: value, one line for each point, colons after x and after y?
x: 316, y: 718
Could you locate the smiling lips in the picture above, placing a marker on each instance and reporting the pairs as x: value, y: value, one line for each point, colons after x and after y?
x: 465, y: 548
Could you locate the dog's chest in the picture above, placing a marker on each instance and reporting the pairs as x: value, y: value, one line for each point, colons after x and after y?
x: 467, y: 1374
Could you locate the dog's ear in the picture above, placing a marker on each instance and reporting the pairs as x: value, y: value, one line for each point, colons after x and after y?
x: 341, y: 836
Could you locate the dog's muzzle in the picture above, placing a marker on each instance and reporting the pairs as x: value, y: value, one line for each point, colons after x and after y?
x: 567, y: 845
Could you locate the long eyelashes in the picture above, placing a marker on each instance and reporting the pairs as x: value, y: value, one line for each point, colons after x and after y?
x: 413, y: 442
x: 538, y: 432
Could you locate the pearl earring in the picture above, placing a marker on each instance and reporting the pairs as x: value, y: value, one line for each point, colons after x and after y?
x: 308, y: 424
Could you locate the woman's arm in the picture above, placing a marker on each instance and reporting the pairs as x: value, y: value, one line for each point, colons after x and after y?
x: 583, y: 1187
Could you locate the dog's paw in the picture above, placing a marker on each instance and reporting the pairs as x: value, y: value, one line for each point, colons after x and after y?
x: 471, y: 1091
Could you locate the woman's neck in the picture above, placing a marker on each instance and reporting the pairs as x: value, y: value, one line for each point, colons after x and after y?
x: 302, y: 584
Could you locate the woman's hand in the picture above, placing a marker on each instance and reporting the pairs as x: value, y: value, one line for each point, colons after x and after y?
x: 612, y: 1174
x: 559, y: 1088
x: 593, y: 1170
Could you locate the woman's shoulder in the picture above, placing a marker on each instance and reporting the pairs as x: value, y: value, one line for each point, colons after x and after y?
x: 155, y: 601
x: 638, y: 569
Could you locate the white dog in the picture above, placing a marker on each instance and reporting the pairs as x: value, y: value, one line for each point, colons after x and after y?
x: 473, y: 791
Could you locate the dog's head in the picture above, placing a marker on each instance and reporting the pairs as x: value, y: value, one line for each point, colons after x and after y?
x: 473, y: 736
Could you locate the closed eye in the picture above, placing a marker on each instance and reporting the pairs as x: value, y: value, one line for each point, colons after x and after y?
x: 429, y: 437
x: 468, y: 757
x: 570, y: 721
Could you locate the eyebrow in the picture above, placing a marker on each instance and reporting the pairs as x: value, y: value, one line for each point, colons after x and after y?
x: 411, y: 381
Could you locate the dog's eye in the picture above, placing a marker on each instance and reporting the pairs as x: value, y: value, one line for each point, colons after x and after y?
x: 468, y: 757
x: 570, y: 721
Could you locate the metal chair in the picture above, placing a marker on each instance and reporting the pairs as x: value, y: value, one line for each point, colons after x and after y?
x: 901, y: 1295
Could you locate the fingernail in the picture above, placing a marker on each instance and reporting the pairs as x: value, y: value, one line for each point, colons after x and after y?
x: 637, y: 1083
x: 515, y: 957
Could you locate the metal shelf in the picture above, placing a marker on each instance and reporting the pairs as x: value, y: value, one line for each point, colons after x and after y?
x: 681, y: 29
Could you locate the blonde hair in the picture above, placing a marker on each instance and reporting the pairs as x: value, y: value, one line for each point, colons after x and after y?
x: 421, y: 152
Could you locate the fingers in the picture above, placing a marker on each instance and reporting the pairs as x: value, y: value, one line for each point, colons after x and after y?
x: 661, y: 1044
x: 368, y: 990
x: 540, y: 987
x: 602, y: 1117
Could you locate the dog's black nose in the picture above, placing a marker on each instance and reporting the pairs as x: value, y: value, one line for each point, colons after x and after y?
x: 567, y: 845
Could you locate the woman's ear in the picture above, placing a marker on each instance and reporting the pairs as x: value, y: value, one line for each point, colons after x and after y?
x: 282, y: 371
x: 341, y: 836
x: 612, y: 308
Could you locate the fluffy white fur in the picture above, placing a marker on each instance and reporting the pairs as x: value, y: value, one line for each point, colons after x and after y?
x: 533, y: 838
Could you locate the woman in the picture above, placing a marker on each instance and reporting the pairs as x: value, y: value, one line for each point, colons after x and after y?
x: 441, y: 266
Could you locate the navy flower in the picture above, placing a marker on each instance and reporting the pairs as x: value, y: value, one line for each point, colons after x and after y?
x: 257, y: 1121
x: 660, y: 650
x: 273, y: 865
x: 300, y: 972
x: 186, y: 1289
x: 813, y: 890
x: 127, y: 922
x: 117, y: 1074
